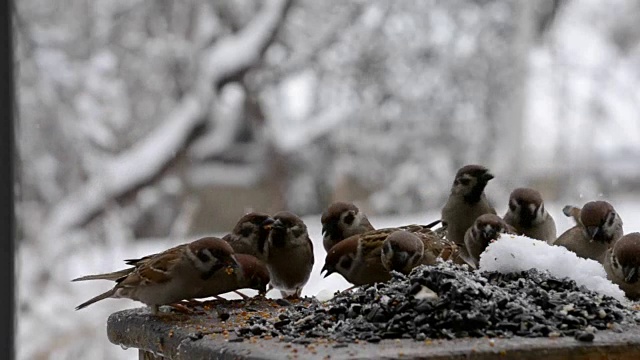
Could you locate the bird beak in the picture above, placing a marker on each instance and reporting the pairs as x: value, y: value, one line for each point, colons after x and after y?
x: 489, y: 233
x: 328, y: 269
x: 277, y: 224
x: 232, y: 262
x: 592, y: 231
x: 267, y: 224
x: 487, y: 176
x: 631, y: 275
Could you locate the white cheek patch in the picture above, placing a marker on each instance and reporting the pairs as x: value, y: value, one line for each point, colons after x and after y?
x: 357, y: 219
x: 388, y: 249
x: 194, y: 259
x: 205, y: 265
x: 606, y: 228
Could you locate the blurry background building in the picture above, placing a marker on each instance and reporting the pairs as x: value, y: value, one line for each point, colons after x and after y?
x: 170, y: 119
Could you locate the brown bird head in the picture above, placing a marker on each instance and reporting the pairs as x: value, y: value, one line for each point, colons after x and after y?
x: 211, y: 254
x: 626, y: 257
x: 402, y: 251
x: 527, y: 206
x: 341, y: 257
x: 255, y: 227
x: 489, y: 227
x: 600, y: 221
x: 470, y: 182
x: 287, y: 228
x: 341, y: 220
x: 255, y: 273
x: 572, y: 212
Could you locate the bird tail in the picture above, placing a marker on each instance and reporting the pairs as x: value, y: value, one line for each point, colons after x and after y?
x: 113, y: 276
x: 104, y: 295
x: 432, y: 224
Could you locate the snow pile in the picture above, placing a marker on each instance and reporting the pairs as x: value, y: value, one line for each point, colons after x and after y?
x: 513, y: 253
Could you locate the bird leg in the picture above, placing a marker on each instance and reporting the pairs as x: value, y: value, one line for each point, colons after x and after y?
x: 243, y: 296
x: 181, y: 308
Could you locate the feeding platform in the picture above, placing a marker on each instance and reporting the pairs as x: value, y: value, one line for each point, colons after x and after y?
x: 205, y: 335
x: 436, y: 312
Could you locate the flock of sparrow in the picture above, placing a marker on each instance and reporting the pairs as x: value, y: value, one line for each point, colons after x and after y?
x: 265, y: 251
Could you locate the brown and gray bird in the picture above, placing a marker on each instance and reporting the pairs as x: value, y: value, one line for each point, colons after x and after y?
x: 528, y: 216
x: 402, y: 251
x: 600, y: 227
x: 358, y: 258
x: 250, y: 274
x: 340, y: 221
x: 249, y: 236
x: 165, y: 278
x: 466, y: 202
x: 486, y: 228
x: 289, y: 254
x: 622, y: 264
x: 361, y: 259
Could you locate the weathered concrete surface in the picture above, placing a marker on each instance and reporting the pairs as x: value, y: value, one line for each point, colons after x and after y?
x: 204, y: 336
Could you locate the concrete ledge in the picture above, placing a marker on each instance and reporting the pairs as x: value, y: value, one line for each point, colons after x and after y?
x: 204, y: 336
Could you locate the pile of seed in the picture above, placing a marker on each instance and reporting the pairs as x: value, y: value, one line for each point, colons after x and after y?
x: 462, y: 304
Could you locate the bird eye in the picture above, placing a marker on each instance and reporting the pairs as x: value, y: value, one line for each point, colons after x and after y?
x: 465, y: 181
x: 348, y: 219
x: 246, y: 231
x: 296, y: 231
x: 345, y: 263
x: 203, y: 256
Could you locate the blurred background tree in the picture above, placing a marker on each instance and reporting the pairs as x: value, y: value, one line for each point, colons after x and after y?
x: 169, y: 119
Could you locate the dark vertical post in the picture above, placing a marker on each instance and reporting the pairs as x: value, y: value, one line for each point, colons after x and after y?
x: 7, y: 154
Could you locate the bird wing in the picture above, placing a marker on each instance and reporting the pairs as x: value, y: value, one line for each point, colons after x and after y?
x: 154, y: 269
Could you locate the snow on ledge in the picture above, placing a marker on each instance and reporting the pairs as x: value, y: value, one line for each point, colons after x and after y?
x: 513, y: 253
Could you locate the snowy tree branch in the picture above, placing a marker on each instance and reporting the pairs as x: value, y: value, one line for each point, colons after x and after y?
x: 141, y: 163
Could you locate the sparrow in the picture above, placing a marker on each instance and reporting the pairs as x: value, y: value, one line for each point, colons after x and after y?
x: 527, y: 215
x: 599, y: 227
x: 289, y: 254
x: 249, y: 236
x: 572, y: 212
x: 361, y: 259
x: 485, y: 229
x: 622, y: 264
x: 358, y: 259
x: 340, y: 221
x: 403, y: 250
x: 250, y: 274
x: 170, y: 276
x: 466, y: 202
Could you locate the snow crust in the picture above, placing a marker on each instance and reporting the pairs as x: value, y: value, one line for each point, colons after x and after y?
x: 513, y: 253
